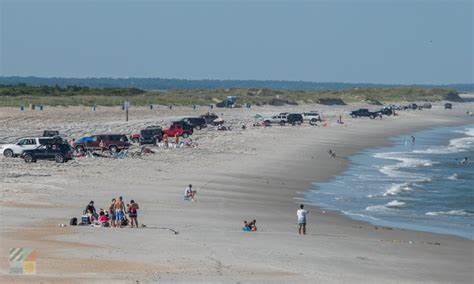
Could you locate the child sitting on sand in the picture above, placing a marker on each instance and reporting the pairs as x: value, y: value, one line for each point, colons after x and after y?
x: 253, y: 225
x: 103, y: 220
x: 246, y: 226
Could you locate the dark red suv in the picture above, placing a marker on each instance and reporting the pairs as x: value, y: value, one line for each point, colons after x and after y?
x: 112, y: 142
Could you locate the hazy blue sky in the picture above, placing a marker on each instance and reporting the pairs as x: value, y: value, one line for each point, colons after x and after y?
x: 344, y: 41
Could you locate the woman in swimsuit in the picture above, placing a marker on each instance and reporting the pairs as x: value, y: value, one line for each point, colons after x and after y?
x: 133, y: 213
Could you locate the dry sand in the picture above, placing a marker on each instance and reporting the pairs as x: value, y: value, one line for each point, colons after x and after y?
x: 257, y: 173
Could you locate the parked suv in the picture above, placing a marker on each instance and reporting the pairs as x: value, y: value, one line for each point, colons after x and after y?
x: 113, y: 142
x: 195, y: 122
x: 151, y: 135
x: 179, y: 128
x: 59, y: 152
x: 14, y: 150
x: 209, y: 117
x: 312, y: 116
x: 294, y: 118
x: 363, y: 112
x: 280, y: 119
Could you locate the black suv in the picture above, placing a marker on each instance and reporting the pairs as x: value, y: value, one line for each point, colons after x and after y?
x: 363, y: 112
x: 209, y: 117
x: 195, y: 122
x: 294, y: 118
x: 151, y: 134
x: 59, y: 152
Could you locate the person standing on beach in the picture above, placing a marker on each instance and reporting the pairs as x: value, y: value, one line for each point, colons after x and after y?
x: 119, y: 211
x: 301, y: 214
x: 112, y: 213
x: 133, y: 213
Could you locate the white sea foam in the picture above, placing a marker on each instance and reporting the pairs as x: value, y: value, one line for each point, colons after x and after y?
x: 389, y: 206
x: 456, y: 145
x: 461, y: 212
x: 397, y: 188
x: 405, y: 162
x: 453, y: 177
x: 395, y: 204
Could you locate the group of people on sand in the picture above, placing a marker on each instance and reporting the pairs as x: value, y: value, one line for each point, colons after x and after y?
x: 252, y: 226
x: 176, y: 142
x: 115, y: 216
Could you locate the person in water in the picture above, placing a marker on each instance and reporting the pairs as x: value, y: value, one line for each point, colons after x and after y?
x: 465, y: 161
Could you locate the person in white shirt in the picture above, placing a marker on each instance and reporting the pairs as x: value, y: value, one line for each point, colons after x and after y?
x: 301, y: 214
x: 189, y: 193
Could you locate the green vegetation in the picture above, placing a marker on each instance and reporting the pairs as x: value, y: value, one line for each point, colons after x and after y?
x: 22, y: 94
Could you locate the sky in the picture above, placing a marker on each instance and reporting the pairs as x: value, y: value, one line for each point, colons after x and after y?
x: 384, y: 41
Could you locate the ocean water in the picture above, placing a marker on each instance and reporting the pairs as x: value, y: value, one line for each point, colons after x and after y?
x: 421, y: 186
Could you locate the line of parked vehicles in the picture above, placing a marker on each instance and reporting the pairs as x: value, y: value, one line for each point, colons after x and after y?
x: 51, y: 146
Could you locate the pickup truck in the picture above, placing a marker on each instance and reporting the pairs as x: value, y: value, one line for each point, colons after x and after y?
x: 14, y: 150
x: 178, y: 128
x: 363, y: 112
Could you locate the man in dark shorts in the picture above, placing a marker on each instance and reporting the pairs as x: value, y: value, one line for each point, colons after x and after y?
x: 133, y: 213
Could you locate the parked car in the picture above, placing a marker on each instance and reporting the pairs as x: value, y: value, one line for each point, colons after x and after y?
x: 50, y: 133
x: 14, y: 150
x: 294, y: 118
x: 312, y: 116
x: 179, y: 128
x: 448, y: 106
x: 426, y: 105
x: 112, y: 142
x: 412, y: 106
x: 280, y: 119
x: 209, y: 117
x: 59, y: 152
x: 151, y: 134
x: 195, y: 122
x: 386, y: 111
x: 363, y: 112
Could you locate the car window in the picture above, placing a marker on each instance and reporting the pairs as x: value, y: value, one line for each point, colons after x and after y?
x: 30, y: 142
x: 21, y: 142
x: 94, y: 138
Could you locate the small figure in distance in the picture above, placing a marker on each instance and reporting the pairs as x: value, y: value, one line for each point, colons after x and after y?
x: 465, y: 161
x: 189, y: 193
x: 331, y: 153
x: 413, y: 140
x: 246, y: 226
x: 301, y: 214
x: 133, y: 213
x: 253, y: 225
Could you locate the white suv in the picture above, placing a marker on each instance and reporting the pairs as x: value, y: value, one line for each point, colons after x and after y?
x: 312, y: 116
x: 281, y: 119
x: 13, y: 150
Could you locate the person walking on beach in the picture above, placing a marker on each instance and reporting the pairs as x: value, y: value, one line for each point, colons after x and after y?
x: 301, y: 214
x: 133, y: 213
x: 119, y: 211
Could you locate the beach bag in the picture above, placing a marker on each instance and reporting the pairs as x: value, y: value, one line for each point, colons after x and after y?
x: 125, y: 222
x: 73, y: 222
x: 85, y: 219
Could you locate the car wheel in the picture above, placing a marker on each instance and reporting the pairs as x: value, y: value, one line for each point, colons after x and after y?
x: 198, y: 127
x: 59, y: 158
x: 79, y: 149
x: 8, y: 153
x: 113, y: 149
x: 185, y: 135
x: 354, y: 116
x: 28, y: 158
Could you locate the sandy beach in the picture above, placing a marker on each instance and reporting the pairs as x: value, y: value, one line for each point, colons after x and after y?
x: 243, y: 174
